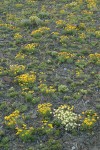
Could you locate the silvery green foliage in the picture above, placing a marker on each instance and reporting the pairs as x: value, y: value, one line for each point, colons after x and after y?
x: 35, y: 20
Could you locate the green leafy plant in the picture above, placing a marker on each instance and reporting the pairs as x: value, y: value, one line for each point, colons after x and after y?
x: 88, y: 120
x: 24, y: 133
x: 62, y: 88
x: 25, y: 22
x: 35, y: 20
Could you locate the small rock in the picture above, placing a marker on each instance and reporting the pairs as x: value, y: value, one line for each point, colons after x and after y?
x: 7, y: 79
x: 65, y: 69
x: 73, y: 148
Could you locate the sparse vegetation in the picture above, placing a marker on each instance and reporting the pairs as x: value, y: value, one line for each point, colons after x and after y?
x: 49, y: 74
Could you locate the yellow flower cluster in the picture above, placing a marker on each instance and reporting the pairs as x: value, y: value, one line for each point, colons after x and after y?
x: 20, y: 56
x: 1, y: 70
x: 24, y: 131
x: 45, y: 123
x: 16, y: 68
x: 55, y: 33
x: 82, y: 35
x: 43, y: 88
x: 95, y: 57
x: 18, y: 5
x: 26, y: 78
x: 82, y: 25
x: 50, y: 125
x: 79, y: 73
x: 89, y: 122
x: 66, y: 55
x: 87, y: 12
x: 11, y: 119
x: 66, y: 107
x: 60, y: 23
x: 10, y: 16
x: 26, y: 91
x: 90, y: 118
x: 62, y: 11
x: 70, y: 27
x: 44, y: 108
x: 97, y: 33
x: 17, y: 36
x: 40, y: 31
x: 80, y: 2
x: 63, y: 39
x: 31, y: 1
x: 30, y: 47
x: 91, y: 4
x: 72, y: 4
x: 18, y: 131
x: 8, y: 26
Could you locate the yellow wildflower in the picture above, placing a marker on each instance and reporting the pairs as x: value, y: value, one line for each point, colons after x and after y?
x: 50, y: 125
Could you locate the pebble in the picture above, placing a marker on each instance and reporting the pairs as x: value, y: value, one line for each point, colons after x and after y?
x: 65, y: 69
x: 73, y: 148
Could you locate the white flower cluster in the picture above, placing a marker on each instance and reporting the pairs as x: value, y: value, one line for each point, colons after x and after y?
x: 68, y: 118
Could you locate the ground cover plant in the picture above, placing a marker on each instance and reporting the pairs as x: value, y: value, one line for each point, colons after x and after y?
x: 49, y: 75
